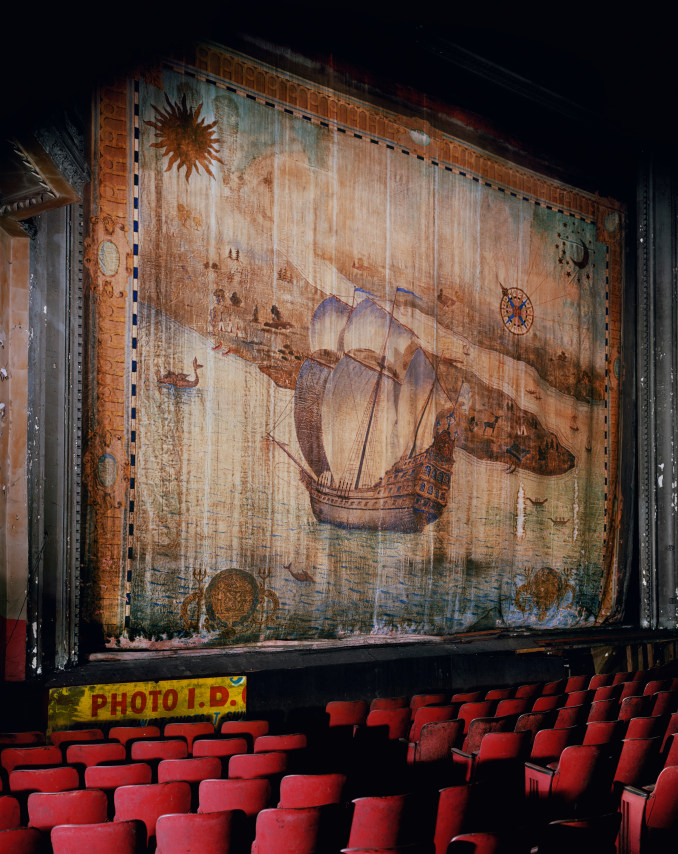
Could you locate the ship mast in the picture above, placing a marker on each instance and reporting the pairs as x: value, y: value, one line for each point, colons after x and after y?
x: 375, y: 392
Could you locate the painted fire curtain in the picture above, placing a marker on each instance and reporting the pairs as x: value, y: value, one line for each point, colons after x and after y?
x: 353, y: 377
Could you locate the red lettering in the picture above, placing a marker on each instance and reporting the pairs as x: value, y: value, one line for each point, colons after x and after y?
x: 138, y: 702
x: 99, y: 701
x: 154, y: 699
x: 170, y: 699
x: 119, y: 703
x: 218, y: 696
x: 191, y: 698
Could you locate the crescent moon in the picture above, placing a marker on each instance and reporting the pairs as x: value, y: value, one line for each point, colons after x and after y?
x: 584, y: 258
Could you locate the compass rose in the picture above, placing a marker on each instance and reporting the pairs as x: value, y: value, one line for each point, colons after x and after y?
x: 516, y: 310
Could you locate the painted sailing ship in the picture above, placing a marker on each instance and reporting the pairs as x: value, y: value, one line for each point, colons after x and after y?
x: 372, y: 420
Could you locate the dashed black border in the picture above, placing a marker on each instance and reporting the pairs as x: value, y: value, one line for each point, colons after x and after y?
x: 134, y: 357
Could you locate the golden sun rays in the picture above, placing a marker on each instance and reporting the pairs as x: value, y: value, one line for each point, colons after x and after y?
x: 186, y: 138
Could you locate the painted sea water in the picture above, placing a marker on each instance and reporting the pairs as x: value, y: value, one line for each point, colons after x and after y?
x: 213, y: 493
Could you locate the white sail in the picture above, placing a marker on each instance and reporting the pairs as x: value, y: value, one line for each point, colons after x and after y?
x: 308, y: 397
x: 326, y: 331
x: 368, y: 328
x: 346, y: 413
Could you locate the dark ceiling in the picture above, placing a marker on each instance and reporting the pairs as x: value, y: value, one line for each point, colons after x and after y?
x: 578, y: 86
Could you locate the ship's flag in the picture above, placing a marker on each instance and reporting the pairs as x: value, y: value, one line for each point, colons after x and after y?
x: 356, y: 289
x: 464, y: 399
x: 405, y: 291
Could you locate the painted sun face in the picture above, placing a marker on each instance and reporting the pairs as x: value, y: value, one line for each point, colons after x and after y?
x: 186, y: 138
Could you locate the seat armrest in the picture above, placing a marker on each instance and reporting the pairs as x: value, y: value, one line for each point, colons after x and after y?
x: 633, y: 803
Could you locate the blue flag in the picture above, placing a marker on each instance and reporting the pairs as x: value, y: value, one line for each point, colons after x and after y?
x: 362, y: 291
x: 405, y: 291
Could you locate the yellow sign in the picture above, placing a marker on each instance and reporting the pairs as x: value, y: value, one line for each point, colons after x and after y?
x: 215, y: 698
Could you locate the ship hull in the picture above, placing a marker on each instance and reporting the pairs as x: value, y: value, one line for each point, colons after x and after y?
x: 410, y: 496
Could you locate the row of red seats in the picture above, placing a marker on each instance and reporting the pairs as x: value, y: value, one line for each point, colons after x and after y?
x: 469, y: 771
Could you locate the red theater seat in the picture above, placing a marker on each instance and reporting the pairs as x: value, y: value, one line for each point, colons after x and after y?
x: 515, y: 706
x: 27, y: 739
x: 579, y: 698
x: 603, y: 710
x: 251, y: 728
x: 347, y: 712
x: 649, y: 822
x: 430, y: 714
x: 109, y: 777
x: 548, y: 744
x: 13, y: 757
x: 60, y: 778
x: 477, y: 709
x: 10, y: 814
x: 634, y: 707
x: 548, y: 703
x: 604, y: 732
x: 480, y: 843
x: 190, y: 731
x: 271, y: 743
x: 396, y: 719
x: 83, y: 806
x: 250, y: 796
x: 124, y: 734
x: 559, y: 686
x: 533, y: 690
x: 499, y: 693
x: 156, y: 749
x: 71, y: 735
x: 624, y: 676
x: 638, y: 763
x: 120, y: 837
x: 607, y: 692
x: 246, y: 766
x: 467, y: 697
x: 292, y: 831
x: 95, y: 753
x: 534, y: 721
x: 645, y: 727
x: 389, y: 703
x: 191, y: 833
x: 191, y: 770
x: 311, y: 790
x: 147, y: 803
x: 571, y: 716
x: 419, y: 700
x: 22, y: 840
x: 453, y: 807
x: 500, y: 754
x: 599, y: 680
x: 478, y: 728
x: 577, y: 683
x: 377, y: 821
x: 436, y: 740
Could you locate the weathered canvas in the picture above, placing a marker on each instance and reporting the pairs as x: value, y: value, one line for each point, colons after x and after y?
x: 353, y: 377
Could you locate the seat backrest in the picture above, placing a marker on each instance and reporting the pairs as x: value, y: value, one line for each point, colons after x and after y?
x: 120, y: 837
x: 582, y: 769
x: 467, y: 697
x: 656, y: 685
x: 60, y: 778
x: 559, y: 686
x: 478, y: 728
x: 10, y: 813
x: 178, y: 833
x: 437, y: 739
x: 637, y: 763
x: 189, y: 730
x: 192, y: 770
x: 252, y: 728
x: 671, y: 728
x: 577, y: 683
x: 452, y: 815
x: 222, y: 747
x: 389, y: 703
x: 293, y: 831
x: 534, y: 721
x: 631, y: 689
x: 27, y: 738
x: 598, y: 680
x: 108, y: 777
x: 500, y: 751
x: 250, y: 796
x: 148, y: 802
x: 571, y: 716
x: 377, y: 821
x: 311, y: 790
x: 397, y: 720
x: 479, y: 843
x: 515, y: 706
x: 607, y: 692
x: 94, y: 753
x: 347, y: 712
x: 82, y: 806
x: 531, y: 690
x: 664, y: 703
x: 548, y: 744
x: 634, y: 707
x: 603, y: 710
x: 289, y: 741
x: 70, y: 735
x: 499, y: 693
x: 428, y: 714
x: 644, y: 727
x: 11, y: 757
x: 147, y: 750
x: 123, y: 734
x: 603, y: 732
x: 660, y: 810
x: 21, y: 840
x: 431, y: 699
x: 548, y: 703
x: 479, y: 709
x: 623, y: 676
x: 579, y: 698
x: 246, y: 766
